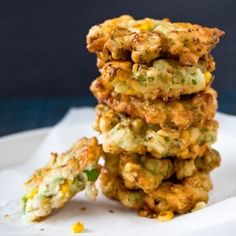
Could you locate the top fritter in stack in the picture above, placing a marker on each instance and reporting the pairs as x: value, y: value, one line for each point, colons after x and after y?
x: 156, y: 112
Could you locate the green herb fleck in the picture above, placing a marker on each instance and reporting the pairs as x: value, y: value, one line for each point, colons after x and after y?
x: 204, y: 129
x: 23, y: 202
x: 92, y: 174
x: 77, y: 179
x: 134, y: 197
x: 167, y: 139
x: 194, y: 81
x: 144, y: 79
x: 57, y: 180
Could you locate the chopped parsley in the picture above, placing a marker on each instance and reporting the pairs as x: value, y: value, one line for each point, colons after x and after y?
x: 167, y: 139
x: 194, y: 81
x: 23, y: 202
x: 204, y: 129
x: 92, y: 174
x: 144, y: 79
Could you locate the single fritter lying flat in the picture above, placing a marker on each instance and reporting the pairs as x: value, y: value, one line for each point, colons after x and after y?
x: 164, y: 79
x: 63, y: 177
x: 142, y: 41
x: 148, y: 173
x: 121, y: 133
x: 178, y: 114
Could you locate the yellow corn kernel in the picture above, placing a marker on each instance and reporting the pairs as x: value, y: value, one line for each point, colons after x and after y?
x: 65, y: 188
x: 165, y: 216
x: 184, y: 153
x: 198, y: 206
x: 137, y: 124
x: 45, y: 200
x: 195, y: 148
x: 208, y: 77
x: 186, y: 135
x: 32, y: 193
x: 77, y: 228
x: 145, y: 25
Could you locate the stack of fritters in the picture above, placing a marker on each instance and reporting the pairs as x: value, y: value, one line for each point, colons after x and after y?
x: 156, y: 112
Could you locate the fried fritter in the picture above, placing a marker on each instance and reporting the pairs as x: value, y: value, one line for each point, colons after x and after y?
x: 64, y: 176
x: 179, y: 197
x: 113, y: 187
x: 208, y: 162
x: 121, y: 133
x: 139, y: 171
x: 145, y: 40
x: 165, y: 79
x: 178, y: 114
x: 147, y: 173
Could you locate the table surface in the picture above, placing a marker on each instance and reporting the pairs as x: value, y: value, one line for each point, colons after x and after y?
x: 20, y: 114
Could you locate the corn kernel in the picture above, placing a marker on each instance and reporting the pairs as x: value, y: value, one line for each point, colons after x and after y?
x: 147, y: 25
x: 198, y: 206
x: 144, y: 27
x: 195, y: 148
x: 186, y: 134
x: 137, y: 124
x: 77, y: 228
x: 208, y: 77
x: 32, y: 193
x: 184, y: 153
x: 165, y: 216
x: 45, y: 200
x: 65, y: 188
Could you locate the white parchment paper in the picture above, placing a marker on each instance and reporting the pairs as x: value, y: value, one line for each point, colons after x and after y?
x: 97, y: 217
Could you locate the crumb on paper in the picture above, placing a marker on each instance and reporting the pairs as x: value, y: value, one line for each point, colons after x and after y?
x: 7, y: 216
x: 42, y: 229
x: 111, y: 211
x: 83, y: 208
x: 77, y: 228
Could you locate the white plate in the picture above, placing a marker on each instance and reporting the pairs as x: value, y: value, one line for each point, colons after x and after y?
x: 28, y: 141
x: 21, y: 146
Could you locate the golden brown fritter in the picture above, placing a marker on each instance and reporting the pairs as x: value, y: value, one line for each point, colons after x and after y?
x: 121, y: 133
x: 139, y: 171
x: 164, y: 78
x: 208, y: 162
x: 113, y: 187
x: 147, y: 173
x: 64, y: 176
x: 178, y: 197
x: 177, y: 114
x: 142, y: 41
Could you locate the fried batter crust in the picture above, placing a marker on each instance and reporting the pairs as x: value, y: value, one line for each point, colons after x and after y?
x: 142, y: 41
x: 181, y: 197
x: 164, y: 79
x: 121, y: 133
x: 147, y: 173
x: 177, y: 114
x: 178, y: 197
